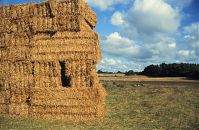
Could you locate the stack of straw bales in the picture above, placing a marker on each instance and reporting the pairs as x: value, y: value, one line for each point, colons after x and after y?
x: 48, y: 57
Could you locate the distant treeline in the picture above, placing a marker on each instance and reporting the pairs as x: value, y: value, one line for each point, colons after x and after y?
x: 165, y: 70
x: 105, y: 72
x: 128, y: 73
x: 172, y: 70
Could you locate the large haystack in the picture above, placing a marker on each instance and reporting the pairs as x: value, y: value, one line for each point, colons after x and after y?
x: 48, y: 57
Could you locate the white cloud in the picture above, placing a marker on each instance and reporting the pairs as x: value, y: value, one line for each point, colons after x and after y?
x: 105, y: 4
x: 186, y: 53
x: 172, y: 45
x: 117, y: 19
x: 118, y: 46
x: 135, y: 56
x: 162, y: 49
x: 149, y: 17
x: 114, y: 65
x: 192, y: 30
x: 191, y: 36
x: 179, y: 4
x: 110, y: 64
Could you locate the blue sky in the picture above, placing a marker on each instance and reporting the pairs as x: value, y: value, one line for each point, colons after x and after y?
x: 137, y: 33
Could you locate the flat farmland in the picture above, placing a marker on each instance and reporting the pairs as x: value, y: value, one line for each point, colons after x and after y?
x: 122, y: 77
x: 150, y: 81
x: 162, y: 103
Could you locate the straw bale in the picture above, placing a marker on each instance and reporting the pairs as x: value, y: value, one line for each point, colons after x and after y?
x: 59, y: 23
x: 14, y: 25
x: 5, y: 25
x: 83, y: 74
x: 15, y: 68
x: 67, y: 23
x: 84, y: 25
x: 72, y: 117
x: 67, y: 35
x: 5, y: 86
x: 60, y: 42
x: 100, y: 111
x: 63, y: 8
x: 77, y: 93
x: 88, y: 14
x: 47, y: 81
x: 3, y: 109
x: 68, y: 67
x: 66, y: 14
x: 43, y: 24
x: 6, y: 71
x: 4, y: 11
x: 18, y: 110
x: 50, y: 69
x: 62, y: 102
x: 18, y: 99
x: 18, y: 11
x: 4, y: 94
x: 13, y: 40
x: 18, y: 92
x: 55, y: 82
x: 2, y: 97
x: 11, y: 53
x: 24, y: 10
x: 64, y: 48
x: 20, y: 84
x: 67, y: 110
x: 41, y: 9
x: 42, y: 43
x: 77, y: 76
x: 63, y: 56
x: 53, y: 7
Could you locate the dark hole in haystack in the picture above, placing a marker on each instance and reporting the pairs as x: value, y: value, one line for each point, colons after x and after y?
x: 65, y: 79
x: 33, y: 68
x: 89, y: 24
x: 28, y: 101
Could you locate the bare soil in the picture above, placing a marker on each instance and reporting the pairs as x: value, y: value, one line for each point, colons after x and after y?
x: 151, y: 81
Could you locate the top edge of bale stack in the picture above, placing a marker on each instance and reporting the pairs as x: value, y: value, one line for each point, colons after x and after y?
x: 52, y: 15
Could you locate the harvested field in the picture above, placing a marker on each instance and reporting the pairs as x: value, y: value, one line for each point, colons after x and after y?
x: 131, y: 105
x: 122, y: 77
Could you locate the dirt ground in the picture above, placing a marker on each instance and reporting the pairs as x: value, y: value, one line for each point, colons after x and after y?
x: 151, y: 81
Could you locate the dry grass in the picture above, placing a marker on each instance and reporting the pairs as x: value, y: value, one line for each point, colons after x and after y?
x: 122, y: 77
x: 131, y: 106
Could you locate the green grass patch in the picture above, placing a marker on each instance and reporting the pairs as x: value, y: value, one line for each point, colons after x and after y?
x: 131, y: 106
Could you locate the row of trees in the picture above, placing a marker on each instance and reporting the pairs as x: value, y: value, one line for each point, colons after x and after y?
x: 128, y: 73
x: 165, y: 70
x: 172, y: 70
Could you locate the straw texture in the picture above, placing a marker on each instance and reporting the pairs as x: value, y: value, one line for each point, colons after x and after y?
x: 48, y: 57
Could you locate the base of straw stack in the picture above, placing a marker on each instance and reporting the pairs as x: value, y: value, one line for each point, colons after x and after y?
x: 60, y: 103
